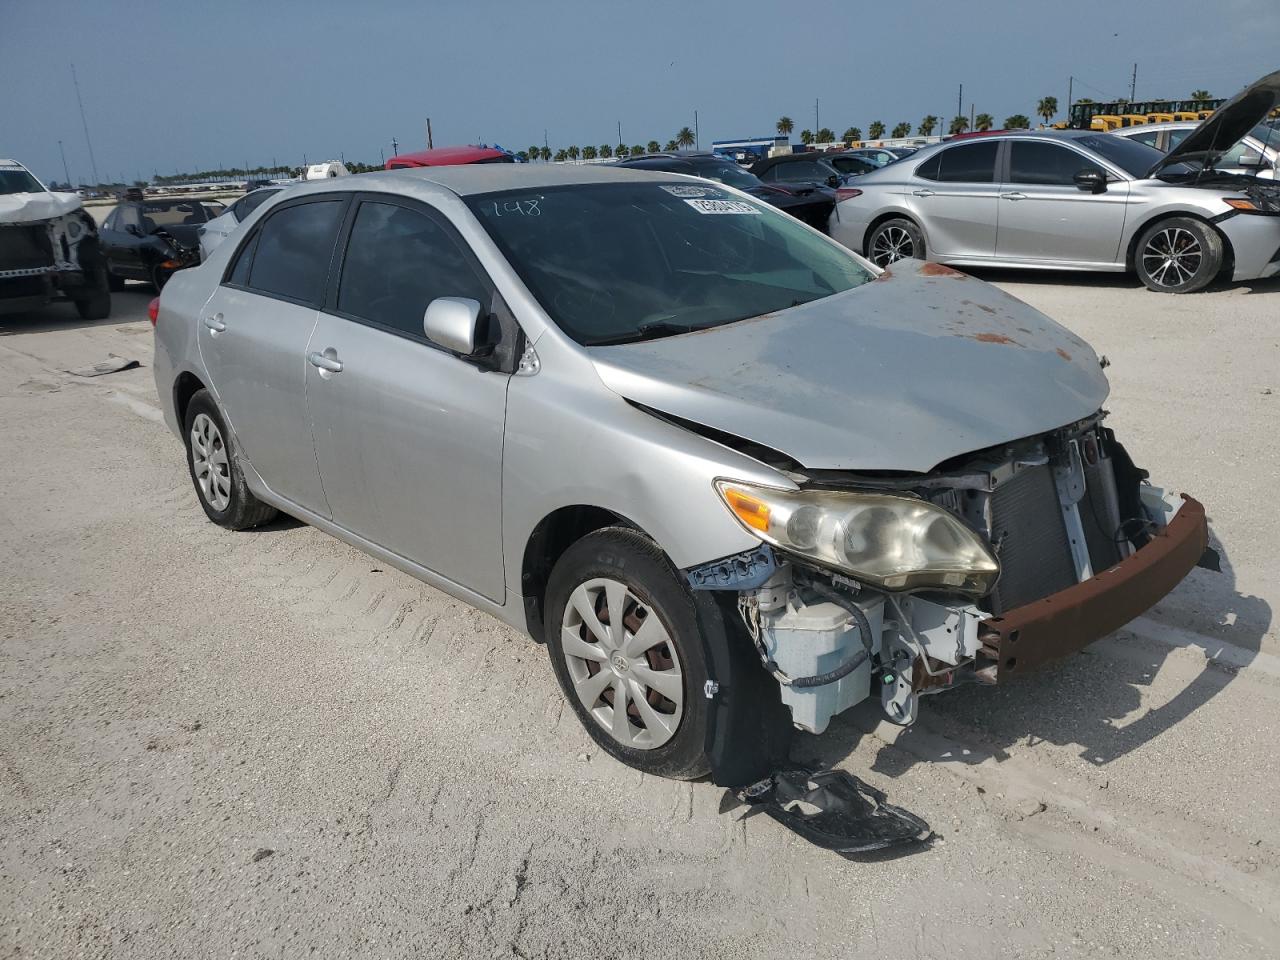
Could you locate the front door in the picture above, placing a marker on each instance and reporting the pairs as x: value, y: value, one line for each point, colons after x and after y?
x: 1043, y: 214
x: 408, y: 436
x: 957, y: 202
x: 253, y: 340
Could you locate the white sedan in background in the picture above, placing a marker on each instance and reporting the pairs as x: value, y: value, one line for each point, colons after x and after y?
x: 218, y: 229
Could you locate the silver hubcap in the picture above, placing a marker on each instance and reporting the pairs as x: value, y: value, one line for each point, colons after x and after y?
x: 891, y: 244
x: 209, y: 462
x: 1172, y: 257
x: 622, y: 663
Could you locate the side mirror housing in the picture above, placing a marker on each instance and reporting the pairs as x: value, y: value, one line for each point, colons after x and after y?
x: 1091, y: 181
x: 451, y: 322
x: 833, y: 181
x: 133, y: 229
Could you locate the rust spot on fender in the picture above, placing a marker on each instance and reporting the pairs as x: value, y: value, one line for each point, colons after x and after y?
x: 980, y: 306
x: 887, y: 275
x: 990, y: 338
x: 1064, y: 355
x: 930, y: 269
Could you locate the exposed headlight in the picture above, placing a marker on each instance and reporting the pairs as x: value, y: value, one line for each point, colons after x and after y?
x: 888, y: 540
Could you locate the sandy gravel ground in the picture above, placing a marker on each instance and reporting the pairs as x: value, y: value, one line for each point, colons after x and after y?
x: 263, y: 744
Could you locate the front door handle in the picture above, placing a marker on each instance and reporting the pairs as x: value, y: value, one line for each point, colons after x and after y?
x: 325, y: 363
x: 1013, y: 196
x: 922, y: 193
x: 215, y: 323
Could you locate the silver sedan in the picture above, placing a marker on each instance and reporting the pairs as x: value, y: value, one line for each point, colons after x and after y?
x: 1077, y: 200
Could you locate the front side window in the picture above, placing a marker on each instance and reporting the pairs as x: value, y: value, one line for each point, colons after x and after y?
x: 802, y: 170
x: 969, y: 163
x: 399, y: 260
x: 611, y: 263
x: 1034, y: 161
x: 293, y: 250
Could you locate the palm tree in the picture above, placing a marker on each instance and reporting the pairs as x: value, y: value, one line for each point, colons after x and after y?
x: 984, y: 121
x: 545, y: 154
x: 876, y: 130
x: 785, y: 125
x: 1019, y: 121
x: 671, y: 146
x: 1200, y: 95
x: 533, y: 153
x: 806, y: 137
x: 652, y: 146
x: 902, y: 130
x: 825, y: 135
x: 1084, y: 100
x: 852, y: 135
x: 959, y: 124
x: 927, y: 125
x: 637, y: 150
x: 685, y: 138
x: 561, y: 155
x: 572, y: 153
x: 605, y: 150
x: 588, y: 153
x: 1047, y: 108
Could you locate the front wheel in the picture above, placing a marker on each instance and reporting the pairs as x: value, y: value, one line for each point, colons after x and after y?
x: 895, y: 240
x: 160, y: 276
x: 97, y: 305
x: 1178, y: 255
x: 623, y: 636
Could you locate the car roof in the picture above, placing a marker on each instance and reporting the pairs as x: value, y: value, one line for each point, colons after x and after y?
x: 471, y: 179
x: 444, y: 156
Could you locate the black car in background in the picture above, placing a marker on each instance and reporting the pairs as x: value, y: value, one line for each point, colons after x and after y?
x: 151, y: 239
x: 830, y: 169
x: 808, y: 202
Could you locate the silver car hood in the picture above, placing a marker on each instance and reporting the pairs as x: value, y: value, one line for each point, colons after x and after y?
x: 921, y: 365
x: 1223, y: 128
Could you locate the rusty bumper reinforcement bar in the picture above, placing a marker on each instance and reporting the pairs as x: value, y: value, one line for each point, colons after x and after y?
x: 1067, y: 621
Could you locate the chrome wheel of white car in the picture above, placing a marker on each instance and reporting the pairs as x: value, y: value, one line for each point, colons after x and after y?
x: 209, y: 462
x: 1178, y: 255
x: 623, y: 666
x: 895, y: 240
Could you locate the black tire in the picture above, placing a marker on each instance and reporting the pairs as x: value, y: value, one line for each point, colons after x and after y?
x: 115, y: 284
x: 243, y: 510
x: 97, y: 305
x: 895, y: 240
x: 631, y: 558
x: 160, y: 276
x: 1178, y: 255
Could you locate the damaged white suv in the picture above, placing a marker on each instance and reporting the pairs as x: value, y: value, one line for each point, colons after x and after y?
x: 48, y: 248
x: 735, y: 477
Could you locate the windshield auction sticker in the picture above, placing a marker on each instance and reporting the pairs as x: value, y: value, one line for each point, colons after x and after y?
x: 721, y: 206
x: 685, y: 192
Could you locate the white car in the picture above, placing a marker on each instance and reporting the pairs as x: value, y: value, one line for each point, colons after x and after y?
x: 218, y: 229
x: 1256, y: 153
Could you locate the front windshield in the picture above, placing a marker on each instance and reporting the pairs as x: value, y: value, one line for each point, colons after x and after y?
x: 726, y: 171
x: 17, y: 180
x: 617, y: 262
x: 1130, y: 156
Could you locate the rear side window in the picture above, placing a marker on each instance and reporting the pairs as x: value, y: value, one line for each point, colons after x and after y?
x: 1149, y: 137
x: 970, y: 163
x: 399, y: 260
x: 239, y: 275
x: 1045, y: 163
x: 802, y: 170
x: 246, y: 205
x: 293, y: 250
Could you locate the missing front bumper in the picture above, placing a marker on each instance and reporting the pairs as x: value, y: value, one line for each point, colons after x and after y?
x: 1036, y: 633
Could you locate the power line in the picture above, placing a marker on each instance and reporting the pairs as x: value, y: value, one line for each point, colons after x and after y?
x: 85, y: 123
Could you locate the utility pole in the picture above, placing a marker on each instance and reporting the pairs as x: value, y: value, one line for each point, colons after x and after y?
x: 65, y: 171
x: 1133, y: 84
x: 696, y: 144
x: 620, y: 130
x: 430, y: 145
x: 1070, y: 82
x: 395, y: 147
x: 960, y: 102
x: 382, y: 156
x: 85, y: 123
x: 817, y: 125
x: 971, y: 116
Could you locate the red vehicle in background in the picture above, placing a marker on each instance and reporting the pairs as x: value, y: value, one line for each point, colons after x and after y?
x: 450, y: 156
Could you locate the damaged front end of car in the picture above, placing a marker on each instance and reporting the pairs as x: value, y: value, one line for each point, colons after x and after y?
x: 993, y: 564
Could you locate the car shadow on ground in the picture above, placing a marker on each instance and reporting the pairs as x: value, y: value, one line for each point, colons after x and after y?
x: 1114, y: 281
x: 1090, y: 700
x: 130, y: 306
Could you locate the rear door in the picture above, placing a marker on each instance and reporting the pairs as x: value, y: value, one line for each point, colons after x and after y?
x: 253, y: 340
x: 1045, y: 216
x: 408, y: 436
x: 957, y: 201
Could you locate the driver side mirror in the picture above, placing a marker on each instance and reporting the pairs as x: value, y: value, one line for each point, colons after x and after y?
x: 451, y: 322
x: 133, y: 229
x: 1091, y: 180
x: 833, y: 181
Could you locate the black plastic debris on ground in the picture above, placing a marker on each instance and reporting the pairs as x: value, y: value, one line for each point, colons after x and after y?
x: 112, y: 364
x: 834, y: 810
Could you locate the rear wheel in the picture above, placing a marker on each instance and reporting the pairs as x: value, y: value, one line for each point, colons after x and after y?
x: 894, y: 240
x: 97, y: 304
x: 623, y: 636
x: 1178, y: 255
x: 218, y: 479
x: 115, y: 284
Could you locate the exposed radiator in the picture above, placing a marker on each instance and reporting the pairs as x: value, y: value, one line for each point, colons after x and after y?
x: 1027, y: 527
x: 1100, y: 514
x: 25, y: 246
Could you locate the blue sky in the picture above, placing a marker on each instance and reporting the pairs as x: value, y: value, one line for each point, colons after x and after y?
x: 181, y: 86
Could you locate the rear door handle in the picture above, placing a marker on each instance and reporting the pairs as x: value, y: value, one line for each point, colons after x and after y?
x: 1013, y: 196
x: 922, y: 193
x: 215, y: 323
x: 328, y: 364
